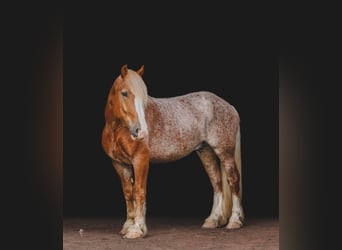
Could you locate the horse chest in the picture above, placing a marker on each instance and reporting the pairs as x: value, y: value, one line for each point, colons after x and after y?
x: 119, y: 154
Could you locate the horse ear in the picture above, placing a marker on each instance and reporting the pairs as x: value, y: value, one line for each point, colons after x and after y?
x: 124, y: 70
x: 141, y: 70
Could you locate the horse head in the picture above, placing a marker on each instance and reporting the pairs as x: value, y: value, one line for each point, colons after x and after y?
x: 126, y: 102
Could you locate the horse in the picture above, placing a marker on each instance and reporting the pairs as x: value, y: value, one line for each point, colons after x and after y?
x: 141, y: 130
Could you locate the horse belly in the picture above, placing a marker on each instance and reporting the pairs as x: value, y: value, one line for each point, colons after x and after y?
x: 173, y: 149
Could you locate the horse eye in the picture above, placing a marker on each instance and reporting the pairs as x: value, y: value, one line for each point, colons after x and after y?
x: 124, y: 93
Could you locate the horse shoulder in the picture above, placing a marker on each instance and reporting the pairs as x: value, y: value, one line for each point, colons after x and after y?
x: 107, y: 140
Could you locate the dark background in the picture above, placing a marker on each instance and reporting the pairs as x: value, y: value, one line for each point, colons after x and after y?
x: 199, y: 54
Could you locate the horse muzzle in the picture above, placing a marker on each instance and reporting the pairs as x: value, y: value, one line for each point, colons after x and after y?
x: 137, y: 133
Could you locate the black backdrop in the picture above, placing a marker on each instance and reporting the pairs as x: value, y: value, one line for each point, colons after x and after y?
x: 178, y: 58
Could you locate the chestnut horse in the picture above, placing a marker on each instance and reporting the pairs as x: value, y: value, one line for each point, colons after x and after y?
x: 140, y: 129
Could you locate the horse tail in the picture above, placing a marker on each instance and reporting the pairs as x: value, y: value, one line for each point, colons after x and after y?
x: 237, y: 156
x: 227, y: 193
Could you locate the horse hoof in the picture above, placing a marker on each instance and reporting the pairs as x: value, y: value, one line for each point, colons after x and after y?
x: 208, y: 224
x: 123, y: 231
x: 214, y: 222
x: 133, y: 235
x: 234, y: 225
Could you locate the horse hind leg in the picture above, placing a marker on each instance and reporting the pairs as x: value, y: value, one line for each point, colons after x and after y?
x: 210, y: 161
x: 231, y: 175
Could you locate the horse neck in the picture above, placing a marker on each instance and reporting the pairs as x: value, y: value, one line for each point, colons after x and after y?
x: 152, y: 114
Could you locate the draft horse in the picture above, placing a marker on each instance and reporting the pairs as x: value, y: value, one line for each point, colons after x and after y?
x: 141, y: 130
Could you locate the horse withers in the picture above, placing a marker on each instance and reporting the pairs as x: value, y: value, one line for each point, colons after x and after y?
x: 141, y: 130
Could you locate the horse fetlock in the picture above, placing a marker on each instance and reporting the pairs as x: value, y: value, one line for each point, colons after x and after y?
x: 142, y: 226
x: 242, y: 215
x: 235, y: 221
x: 129, y: 223
x: 238, y: 214
x: 138, y: 230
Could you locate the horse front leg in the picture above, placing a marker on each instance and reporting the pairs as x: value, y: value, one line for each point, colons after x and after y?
x: 140, y: 167
x: 126, y: 175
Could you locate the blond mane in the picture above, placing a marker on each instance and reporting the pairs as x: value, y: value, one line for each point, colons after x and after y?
x: 137, y: 86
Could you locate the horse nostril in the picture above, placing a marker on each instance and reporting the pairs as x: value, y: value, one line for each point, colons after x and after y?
x: 134, y: 130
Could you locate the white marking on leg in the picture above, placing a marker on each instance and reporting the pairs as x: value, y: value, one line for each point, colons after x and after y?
x: 216, y: 217
x: 236, y: 204
x: 139, y: 228
x: 141, y: 116
x: 236, y: 210
x: 217, y: 207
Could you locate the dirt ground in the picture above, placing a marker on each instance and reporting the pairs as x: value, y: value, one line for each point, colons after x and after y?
x: 169, y: 233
